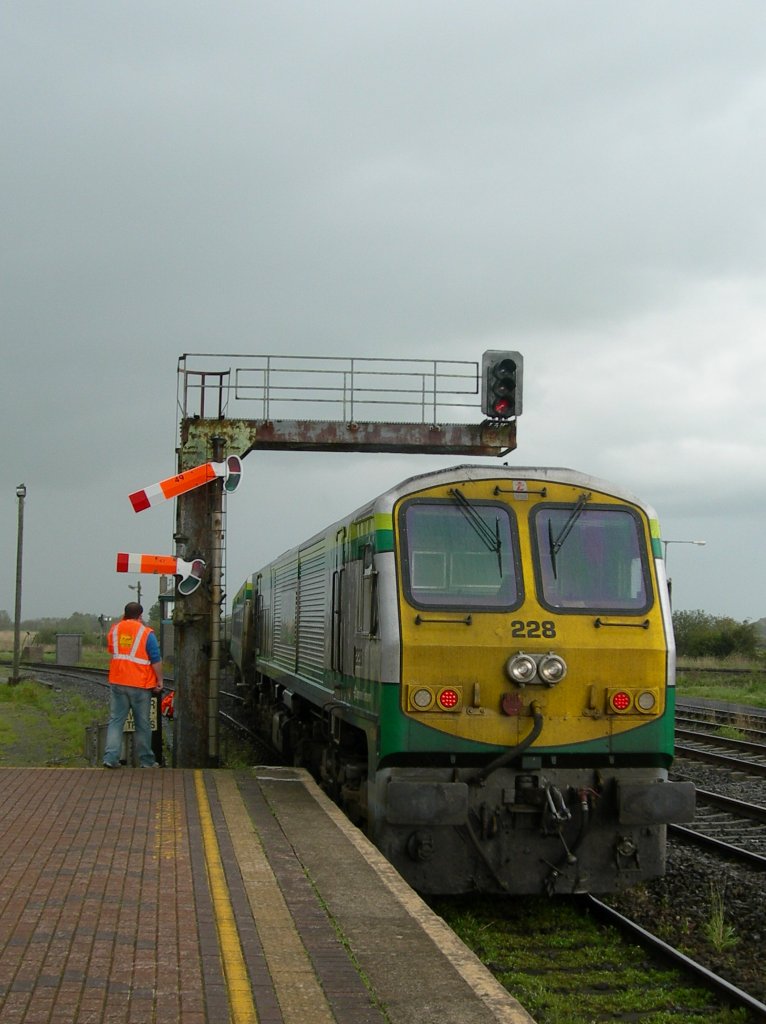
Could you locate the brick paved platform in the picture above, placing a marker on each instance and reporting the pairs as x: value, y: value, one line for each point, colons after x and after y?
x: 160, y: 896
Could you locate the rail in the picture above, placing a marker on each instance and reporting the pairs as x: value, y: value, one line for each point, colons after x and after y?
x: 657, y: 945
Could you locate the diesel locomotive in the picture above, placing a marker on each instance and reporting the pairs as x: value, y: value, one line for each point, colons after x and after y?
x: 478, y: 665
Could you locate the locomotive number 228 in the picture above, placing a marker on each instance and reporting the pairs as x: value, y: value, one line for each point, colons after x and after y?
x: 532, y: 629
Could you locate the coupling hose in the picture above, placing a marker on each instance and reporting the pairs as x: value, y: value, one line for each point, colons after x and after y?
x: 509, y: 755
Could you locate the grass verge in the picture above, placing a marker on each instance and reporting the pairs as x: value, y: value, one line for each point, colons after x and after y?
x: 735, y: 687
x: 41, y: 727
x: 566, y: 968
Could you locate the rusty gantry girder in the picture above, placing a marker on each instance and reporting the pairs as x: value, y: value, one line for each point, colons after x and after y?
x: 409, y: 399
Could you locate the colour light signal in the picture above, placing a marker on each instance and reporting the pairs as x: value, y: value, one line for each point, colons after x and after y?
x: 501, y: 384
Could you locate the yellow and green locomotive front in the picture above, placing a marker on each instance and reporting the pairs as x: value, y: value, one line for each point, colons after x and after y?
x: 534, y: 722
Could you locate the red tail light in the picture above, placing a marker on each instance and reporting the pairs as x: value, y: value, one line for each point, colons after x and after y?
x: 621, y: 700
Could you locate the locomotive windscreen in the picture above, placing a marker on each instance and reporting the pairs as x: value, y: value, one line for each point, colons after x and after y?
x: 591, y: 558
x: 459, y: 555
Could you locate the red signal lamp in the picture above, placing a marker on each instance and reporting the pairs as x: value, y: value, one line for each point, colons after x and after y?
x: 620, y: 700
x: 448, y: 699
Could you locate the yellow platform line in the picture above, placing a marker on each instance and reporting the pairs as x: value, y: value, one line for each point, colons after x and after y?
x: 234, y: 969
x: 299, y: 993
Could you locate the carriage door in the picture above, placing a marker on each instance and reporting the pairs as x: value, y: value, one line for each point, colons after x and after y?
x: 366, y: 586
x: 259, y: 624
x: 339, y: 600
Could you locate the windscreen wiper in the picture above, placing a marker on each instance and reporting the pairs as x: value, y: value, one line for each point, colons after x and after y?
x: 554, y: 546
x: 490, y: 539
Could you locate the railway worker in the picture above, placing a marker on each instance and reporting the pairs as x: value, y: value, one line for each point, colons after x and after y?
x: 135, y: 674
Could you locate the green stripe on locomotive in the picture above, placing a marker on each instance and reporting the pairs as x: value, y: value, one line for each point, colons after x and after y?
x: 400, y: 734
x: 376, y: 529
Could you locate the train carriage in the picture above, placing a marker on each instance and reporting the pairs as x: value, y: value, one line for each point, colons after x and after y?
x: 479, y: 665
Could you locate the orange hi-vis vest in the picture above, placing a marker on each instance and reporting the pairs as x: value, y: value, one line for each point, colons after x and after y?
x: 130, y: 665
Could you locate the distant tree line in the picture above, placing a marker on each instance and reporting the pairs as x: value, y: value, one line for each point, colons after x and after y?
x: 93, y: 627
x: 699, y: 635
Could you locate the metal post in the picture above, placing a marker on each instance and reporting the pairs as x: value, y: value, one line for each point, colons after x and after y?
x: 191, y: 631
x: 21, y: 493
x: 216, y: 599
x: 197, y: 617
x: 699, y: 543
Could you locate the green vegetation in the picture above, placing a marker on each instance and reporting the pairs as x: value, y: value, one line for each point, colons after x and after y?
x: 562, y: 966
x: 699, y: 635
x: 730, y: 732
x: 39, y: 635
x: 41, y: 727
x: 90, y: 625
x: 235, y: 752
x: 734, y: 687
x: 95, y: 657
x: 720, y: 934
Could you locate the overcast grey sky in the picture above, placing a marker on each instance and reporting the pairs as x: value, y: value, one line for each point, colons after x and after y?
x: 582, y: 182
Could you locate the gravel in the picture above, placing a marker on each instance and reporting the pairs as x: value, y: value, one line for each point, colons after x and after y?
x: 680, y: 907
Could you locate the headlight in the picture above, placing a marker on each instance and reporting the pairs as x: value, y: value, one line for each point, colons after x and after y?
x: 646, y: 701
x: 552, y: 669
x: 521, y: 668
x: 422, y: 699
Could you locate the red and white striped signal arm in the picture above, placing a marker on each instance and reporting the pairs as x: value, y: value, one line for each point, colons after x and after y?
x: 168, y: 565
x: 230, y: 469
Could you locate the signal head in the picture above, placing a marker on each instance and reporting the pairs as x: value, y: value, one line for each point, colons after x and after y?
x: 501, y: 384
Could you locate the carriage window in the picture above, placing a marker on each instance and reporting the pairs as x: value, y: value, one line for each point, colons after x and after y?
x: 591, y: 558
x: 459, y: 555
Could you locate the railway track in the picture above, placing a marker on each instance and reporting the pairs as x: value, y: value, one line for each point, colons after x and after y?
x: 51, y: 674
x: 725, y: 823
x: 726, y: 846
x: 733, y: 828
x: 560, y: 957
x: 658, y: 947
x: 687, y: 670
x: 712, y: 716
x: 725, y: 754
x: 705, y: 744
x: 262, y: 753
x: 753, y: 733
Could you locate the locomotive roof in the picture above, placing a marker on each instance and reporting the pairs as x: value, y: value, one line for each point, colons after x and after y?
x: 385, y: 502
x: 474, y: 471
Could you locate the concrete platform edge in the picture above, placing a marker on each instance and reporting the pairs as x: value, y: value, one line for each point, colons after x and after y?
x: 497, y: 999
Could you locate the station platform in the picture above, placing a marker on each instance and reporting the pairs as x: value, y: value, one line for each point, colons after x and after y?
x: 207, y: 897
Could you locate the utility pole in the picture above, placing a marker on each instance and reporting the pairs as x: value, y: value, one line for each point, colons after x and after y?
x: 21, y: 493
